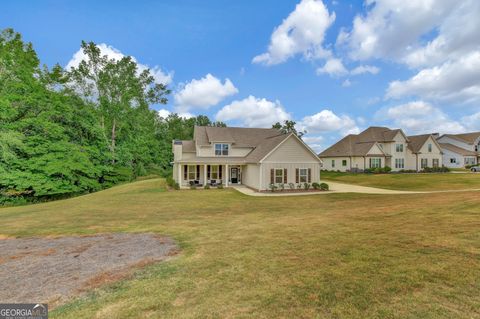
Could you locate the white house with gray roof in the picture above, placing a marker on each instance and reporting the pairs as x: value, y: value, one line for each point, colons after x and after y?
x: 254, y: 157
x: 460, y: 150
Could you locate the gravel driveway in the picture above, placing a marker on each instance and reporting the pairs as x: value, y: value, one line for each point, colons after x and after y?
x: 53, y: 270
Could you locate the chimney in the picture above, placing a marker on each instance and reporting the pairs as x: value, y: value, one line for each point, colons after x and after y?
x: 177, y: 150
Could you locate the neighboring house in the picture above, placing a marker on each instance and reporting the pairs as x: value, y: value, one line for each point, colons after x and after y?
x: 380, y: 147
x: 460, y: 150
x: 254, y: 157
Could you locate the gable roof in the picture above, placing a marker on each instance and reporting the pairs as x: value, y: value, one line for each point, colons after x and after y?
x: 468, y: 138
x: 238, y: 136
x: 457, y: 150
x: 361, y: 144
x: 417, y: 141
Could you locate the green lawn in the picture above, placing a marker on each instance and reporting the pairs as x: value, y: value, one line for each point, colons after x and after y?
x: 329, y: 256
x: 420, y: 181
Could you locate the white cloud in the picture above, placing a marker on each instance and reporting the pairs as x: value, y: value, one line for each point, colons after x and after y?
x: 451, y: 81
x: 346, y: 83
x: 365, y: 69
x: 472, y: 122
x: 302, y: 32
x: 163, y: 113
x: 315, y: 142
x: 253, y: 112
x: 419, y: 117
x: 393, y: 28
x: 327, y: 121
x: 333, y: 67
x: 112, y: 53
x: 203, y: 93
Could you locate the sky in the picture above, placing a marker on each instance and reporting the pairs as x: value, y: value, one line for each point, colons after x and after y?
x: 334, y: 67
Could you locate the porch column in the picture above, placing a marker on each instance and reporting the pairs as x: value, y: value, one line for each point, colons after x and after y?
x: 205, y: 180
x: 226, y: 175
x: 179, y: 179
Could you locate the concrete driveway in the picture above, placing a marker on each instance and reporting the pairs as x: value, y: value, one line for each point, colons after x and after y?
x: 342, y: 188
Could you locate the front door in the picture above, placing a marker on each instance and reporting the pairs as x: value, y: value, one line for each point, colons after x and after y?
x: 234, y: 175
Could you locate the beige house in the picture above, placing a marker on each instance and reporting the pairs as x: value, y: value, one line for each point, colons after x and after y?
x: 380, y: 147
x: 254, y: 157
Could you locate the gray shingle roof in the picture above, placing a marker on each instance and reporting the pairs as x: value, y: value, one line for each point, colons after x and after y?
x: 360, y: 144
x: 468, y: 138
x: 458, y: 150
x: 262, y: 141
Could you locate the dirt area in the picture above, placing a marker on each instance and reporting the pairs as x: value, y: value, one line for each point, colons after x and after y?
x: 54, y: 270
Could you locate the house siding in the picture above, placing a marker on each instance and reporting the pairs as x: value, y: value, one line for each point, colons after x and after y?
x: 291, y: 168
x: 251, y: 175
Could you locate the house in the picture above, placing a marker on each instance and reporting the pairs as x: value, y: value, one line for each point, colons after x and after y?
x: 460, y: 150
x: 254, y: 157
x: 379, y: 147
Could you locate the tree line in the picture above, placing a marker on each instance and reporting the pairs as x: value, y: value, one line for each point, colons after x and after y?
x: 68, y: 132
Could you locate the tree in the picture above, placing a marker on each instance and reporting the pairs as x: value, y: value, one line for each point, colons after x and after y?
x: 288, y: 127
x: 117, y: 88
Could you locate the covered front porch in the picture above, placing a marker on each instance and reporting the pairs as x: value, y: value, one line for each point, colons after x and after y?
x: 209, y: 174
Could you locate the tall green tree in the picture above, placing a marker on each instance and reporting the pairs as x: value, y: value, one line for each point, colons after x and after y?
x: 121, y: 93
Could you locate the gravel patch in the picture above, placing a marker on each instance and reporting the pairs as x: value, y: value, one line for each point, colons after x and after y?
x: 54, y: 270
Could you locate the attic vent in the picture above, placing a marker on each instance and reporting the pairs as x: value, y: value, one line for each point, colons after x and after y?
x: 177, y: 142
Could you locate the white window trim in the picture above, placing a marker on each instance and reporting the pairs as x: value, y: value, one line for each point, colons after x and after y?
x: 300, y: 175
x: 194, y: 172
x: 399, y: 146
x: 211, y: 172
x: 275, y: 175
x: 221, y: 149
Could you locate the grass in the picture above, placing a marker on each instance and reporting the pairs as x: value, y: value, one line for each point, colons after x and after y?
x: 419, y: 181
x: 330, y: 256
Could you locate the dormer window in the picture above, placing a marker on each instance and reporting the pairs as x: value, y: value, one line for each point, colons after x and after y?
x: 221, y: 149
x: 429, y: 148
x: 399, y: 148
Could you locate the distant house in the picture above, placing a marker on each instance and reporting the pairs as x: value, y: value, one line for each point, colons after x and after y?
x: 380, y: 147
x: 254, y: 157
x: 460, y: 150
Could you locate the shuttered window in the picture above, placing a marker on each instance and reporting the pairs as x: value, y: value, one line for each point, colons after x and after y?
x: 303, y: 175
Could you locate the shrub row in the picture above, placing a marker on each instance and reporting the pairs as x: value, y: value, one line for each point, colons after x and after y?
x: 305, y: 186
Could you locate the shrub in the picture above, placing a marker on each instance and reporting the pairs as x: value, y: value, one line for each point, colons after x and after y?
x: 272, y: 187
x: 170, y: 181
x: 176, y: 186
x: 387, y: 169
x: 281, y: 186
x: 299, y: 186
x: 316, y: 186
x: 206, y: 186
x: 220, y: 186
x: 324, y: 186
x: 306, y: 186
x: 291, y: 185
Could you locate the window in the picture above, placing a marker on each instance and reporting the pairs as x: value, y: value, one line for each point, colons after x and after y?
x: 303, y: 175
x: 424, y: 163
x: 221, y: 149
x: 399, y: 163
x: 399, y: 148
x: 453, y: 160
x: 213, y: 171
x: 279, y: 175
x: 192, y: 172
x: 469, y: 160
x: 435, y: 162
x: 344, y: 162
x: 429, y: 148
x: 333, y: 163
x: 375, y: 162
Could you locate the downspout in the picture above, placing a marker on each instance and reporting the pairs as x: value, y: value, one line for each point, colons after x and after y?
x: 416, y: 162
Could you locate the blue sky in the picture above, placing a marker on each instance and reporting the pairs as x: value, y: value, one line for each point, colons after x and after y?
x: 335, y: 67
